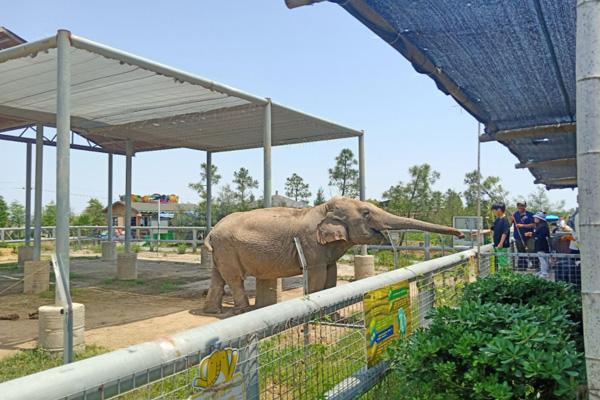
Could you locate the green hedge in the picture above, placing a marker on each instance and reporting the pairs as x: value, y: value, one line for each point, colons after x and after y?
x: 512, y: 336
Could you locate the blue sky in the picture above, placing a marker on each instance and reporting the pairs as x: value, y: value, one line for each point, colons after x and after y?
x: 318, y: 59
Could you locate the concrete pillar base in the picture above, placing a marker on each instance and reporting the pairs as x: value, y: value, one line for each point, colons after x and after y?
x: 205, y: 257
x: 364, y: 266
x: 127, y: 266
x: 268, y: 292
x: 37, y: 277
x: 50, y: 327
x: 109, y: 251
x: 24, y: 253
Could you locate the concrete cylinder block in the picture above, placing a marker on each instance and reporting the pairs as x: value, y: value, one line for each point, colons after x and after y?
x: 268, y: 292
x: 127, y: 266
x: 50, y: 327
x: 37, y: 277
x: 364, y: 266
x: 24, y: 253
x: 109, y: 251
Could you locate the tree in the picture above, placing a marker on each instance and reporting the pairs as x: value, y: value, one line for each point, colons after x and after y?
x: 16, y: 212
x: 320, y: 199
x: 49, y: 214
x: 93, y: 214
x: 452, y: 206
x: 344, y: 176
x: 3, y: 213
x: 244, y: 183
x: 226, y: 202
x: 200, y: 187
x: 296, y: 189
x: 492, y: 191
x: 539, y: 201
x: 416, y: 198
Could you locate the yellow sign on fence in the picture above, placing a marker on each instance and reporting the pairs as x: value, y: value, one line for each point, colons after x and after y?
x: 387, y: 317
x: 217, y: 377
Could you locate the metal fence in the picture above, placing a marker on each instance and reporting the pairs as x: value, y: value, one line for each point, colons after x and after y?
x: 306, y: 348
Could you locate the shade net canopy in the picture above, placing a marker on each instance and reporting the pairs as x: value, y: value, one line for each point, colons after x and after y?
x: 117, y: 97
x: 511, y: 64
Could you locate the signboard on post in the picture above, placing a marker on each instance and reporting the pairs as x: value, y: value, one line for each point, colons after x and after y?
x: 217, y: 377
x: 387, y: 317
x: 466, y: 223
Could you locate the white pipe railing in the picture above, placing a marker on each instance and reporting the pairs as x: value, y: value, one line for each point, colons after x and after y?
x: 97, y: 376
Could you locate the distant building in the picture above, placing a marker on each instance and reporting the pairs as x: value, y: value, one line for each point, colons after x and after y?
x: 278, y: 200
x: 146, y: 214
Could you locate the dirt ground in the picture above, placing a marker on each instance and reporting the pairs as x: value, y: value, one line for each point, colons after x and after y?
x: 166, y: 298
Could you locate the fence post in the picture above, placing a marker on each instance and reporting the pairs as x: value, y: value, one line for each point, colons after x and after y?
x: 194, y: 239
x: 427, y: 239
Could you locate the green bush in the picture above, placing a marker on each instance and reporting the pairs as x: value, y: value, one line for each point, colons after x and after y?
x: 512, y: 336
x: 491, y: 351
x: 181, y: 248
x: 136, y: 248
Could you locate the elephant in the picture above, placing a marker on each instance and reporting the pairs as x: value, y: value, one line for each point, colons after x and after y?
x: 260, y: 243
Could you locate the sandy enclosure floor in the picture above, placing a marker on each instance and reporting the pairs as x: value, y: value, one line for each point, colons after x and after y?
x: 166, y: 298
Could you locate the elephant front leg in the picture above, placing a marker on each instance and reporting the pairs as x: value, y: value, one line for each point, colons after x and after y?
x: 317, y: 278
x: 331, y: 278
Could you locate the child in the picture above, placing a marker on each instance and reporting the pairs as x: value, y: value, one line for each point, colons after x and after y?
x: 501, y: 229
x: 541, y: 234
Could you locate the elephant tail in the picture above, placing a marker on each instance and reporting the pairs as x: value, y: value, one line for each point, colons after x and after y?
x: 207, y: 243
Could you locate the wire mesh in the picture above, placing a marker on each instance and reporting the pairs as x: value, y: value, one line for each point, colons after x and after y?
x: 321, y: 355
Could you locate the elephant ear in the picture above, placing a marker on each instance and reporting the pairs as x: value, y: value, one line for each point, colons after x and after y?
x: 331, y: 230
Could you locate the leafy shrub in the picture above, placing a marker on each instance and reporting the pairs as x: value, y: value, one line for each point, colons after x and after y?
x: 528, y: 289
x: 512, y: 336
x: 181, y: 248
x: 136, y: 248
x: 491, y: 351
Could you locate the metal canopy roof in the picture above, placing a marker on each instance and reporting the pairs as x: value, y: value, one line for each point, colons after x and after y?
x: 116, y: 97
x: 511, y: 64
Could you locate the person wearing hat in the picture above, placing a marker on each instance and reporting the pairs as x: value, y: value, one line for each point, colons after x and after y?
x: 541, y: 235
x: 523, y: 221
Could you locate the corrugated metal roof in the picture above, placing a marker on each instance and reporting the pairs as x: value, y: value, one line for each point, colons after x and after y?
x: 511, y: 64
x: 116, y: 96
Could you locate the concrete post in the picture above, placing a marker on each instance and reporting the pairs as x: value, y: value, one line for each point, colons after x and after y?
x: 37, y: 207
x: 208, y: 191
x: 268, y: 291
x: 128, y: 155
x: 63, y: 128
x: 28, y: 196
x: 588, y: 181
x: 427, y: 245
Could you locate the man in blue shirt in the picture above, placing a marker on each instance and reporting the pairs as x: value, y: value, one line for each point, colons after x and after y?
x: 524, y: 225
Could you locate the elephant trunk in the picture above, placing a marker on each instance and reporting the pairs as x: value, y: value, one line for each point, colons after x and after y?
x: 399, y: 223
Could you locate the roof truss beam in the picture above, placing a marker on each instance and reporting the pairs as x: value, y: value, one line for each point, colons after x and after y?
x: 533, y: 132
x: 559, y: 162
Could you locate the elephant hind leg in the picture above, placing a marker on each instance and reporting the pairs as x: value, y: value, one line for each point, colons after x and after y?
x: 214, y: 298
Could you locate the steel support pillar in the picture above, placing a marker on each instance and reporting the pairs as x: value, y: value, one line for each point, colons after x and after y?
x: 361, y: 175
x: 63, y: 130
x: 128, y: 156
x: 37, y: 206
x: 109, y: 212
x: 28, y: 196
x: 268, y: 291
x: 588, y: 181
x: 208, y: 191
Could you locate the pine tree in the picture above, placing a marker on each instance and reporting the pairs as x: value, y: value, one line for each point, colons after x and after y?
x: 320, y: 199
x: 244, y: 183
x: 344, y: 176
x: 296, y: 189
x: 3, y: 213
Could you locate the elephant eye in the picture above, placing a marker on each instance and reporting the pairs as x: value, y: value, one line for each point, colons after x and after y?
x: 365, y: 213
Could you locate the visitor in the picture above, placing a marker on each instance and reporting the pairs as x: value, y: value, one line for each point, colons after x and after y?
x: 523, y: 221
x: 501, y: 231
x: 541, y: 235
